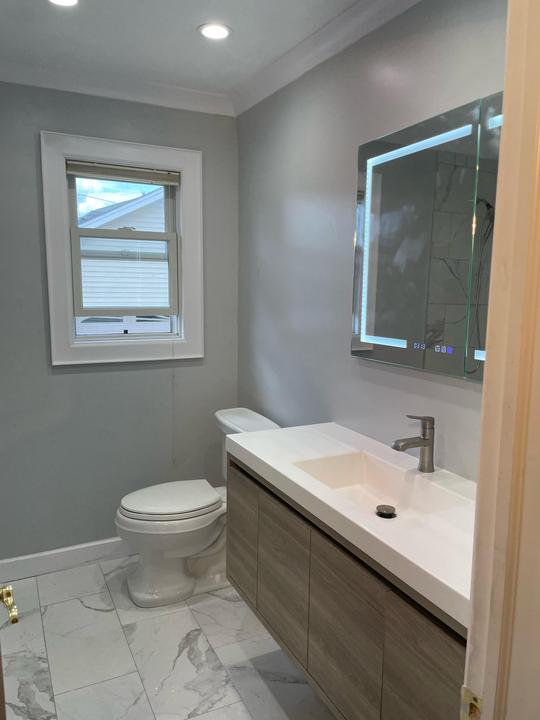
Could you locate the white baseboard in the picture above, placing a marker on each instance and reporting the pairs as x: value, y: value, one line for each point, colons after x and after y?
x: 25, y: 566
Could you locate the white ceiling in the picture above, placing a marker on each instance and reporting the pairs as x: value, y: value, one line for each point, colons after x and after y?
x: 149, y: 50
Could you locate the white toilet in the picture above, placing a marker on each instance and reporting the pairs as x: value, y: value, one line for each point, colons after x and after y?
x: 179, y: 528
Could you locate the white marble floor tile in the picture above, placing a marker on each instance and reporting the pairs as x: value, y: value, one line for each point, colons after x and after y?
x: 238, y: 711
x: 269, y: 684
x: 180, y: 671
x: 27, y: 681
x: 116, y: 572
x: 85, y: 642
x: 225, y: 618
x: 123, y: 698
x: 67, y: 584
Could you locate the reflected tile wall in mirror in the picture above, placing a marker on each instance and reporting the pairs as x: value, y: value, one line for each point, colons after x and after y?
x: 421, y: 273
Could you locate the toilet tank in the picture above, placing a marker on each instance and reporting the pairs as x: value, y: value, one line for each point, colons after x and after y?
x: 238, y: 420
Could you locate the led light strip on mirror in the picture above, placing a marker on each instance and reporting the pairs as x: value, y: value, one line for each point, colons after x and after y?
x: 419, y: 146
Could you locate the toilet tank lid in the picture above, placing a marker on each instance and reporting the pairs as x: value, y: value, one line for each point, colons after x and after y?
x: 173, y: 498
x: 237, y: 420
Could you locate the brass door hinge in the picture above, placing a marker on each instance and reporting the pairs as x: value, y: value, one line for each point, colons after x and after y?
x: 471, y: 705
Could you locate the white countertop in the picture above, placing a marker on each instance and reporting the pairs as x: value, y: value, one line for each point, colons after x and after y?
x: 430, y: 550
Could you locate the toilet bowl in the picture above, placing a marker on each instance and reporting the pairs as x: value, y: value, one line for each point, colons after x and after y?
x: 179, y: 529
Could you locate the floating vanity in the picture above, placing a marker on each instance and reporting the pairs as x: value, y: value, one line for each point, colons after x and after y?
x: 374, y: 610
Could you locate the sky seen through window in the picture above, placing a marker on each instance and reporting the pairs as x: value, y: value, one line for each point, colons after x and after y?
x: 94, y: 193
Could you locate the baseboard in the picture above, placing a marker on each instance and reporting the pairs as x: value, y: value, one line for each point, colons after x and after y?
x: 25, y: 566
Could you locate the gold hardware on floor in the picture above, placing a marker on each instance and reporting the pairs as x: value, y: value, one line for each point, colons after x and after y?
x: 6, y: 598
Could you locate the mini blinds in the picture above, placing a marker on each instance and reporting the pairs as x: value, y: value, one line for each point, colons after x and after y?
x: 124, y: 240
x: 123, y: 273
x: 130, y: 174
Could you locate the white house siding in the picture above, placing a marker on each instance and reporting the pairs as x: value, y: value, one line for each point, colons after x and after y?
x: 151, y: 218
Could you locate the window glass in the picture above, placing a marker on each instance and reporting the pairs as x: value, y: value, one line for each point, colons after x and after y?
x: 124, y: 273
x: 118, y: 204
x: 97, y: 325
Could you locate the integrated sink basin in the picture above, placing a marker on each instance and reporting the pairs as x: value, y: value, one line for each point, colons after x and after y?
x: 368, y: 481
x: 339, y: 477
x: 363, y: 478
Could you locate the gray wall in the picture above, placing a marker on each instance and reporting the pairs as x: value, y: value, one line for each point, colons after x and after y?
x: 297, y: 187
x: 73, y: 441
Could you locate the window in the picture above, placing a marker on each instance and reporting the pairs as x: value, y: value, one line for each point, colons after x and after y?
x: 124, y: 250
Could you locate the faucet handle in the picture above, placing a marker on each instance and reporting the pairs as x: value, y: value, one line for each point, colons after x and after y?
x: 428, y: 421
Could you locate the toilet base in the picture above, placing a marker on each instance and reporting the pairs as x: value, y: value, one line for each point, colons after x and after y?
x: 162, y: 580
x: 158, y: 580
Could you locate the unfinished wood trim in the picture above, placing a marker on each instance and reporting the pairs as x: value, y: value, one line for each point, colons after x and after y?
x: 2, y: 697
x: 504, y: 645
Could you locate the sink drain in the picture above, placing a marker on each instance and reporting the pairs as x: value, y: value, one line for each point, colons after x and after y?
x: 386, y: 511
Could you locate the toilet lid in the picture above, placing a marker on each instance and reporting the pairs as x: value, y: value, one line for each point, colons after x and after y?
x: 184, y: 498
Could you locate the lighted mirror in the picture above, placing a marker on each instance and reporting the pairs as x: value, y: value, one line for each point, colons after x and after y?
x: 424, y: 231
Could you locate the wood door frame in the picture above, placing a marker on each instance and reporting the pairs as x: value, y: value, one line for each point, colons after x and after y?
x: 2, y: 696
x: 503, y: 659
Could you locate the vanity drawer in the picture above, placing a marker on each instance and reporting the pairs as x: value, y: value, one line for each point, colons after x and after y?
x: 424, y: 665
x: 283, y: 579
x: 346, y: 630
x: 242, y: 532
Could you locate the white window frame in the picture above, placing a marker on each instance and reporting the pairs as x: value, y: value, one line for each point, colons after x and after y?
x: 171, y: 187
x: 66, y: 348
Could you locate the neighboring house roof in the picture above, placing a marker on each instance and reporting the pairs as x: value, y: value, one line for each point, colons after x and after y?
x: 105, y: 215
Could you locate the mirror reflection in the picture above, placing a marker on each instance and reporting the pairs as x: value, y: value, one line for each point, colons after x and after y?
x: 424, y: 230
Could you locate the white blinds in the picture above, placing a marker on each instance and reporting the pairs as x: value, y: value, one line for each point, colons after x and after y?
x: 129, y: 174
x: 118, y: 273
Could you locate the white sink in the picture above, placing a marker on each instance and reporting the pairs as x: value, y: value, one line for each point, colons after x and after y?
x: 362, y: 477
x: 367, y: 481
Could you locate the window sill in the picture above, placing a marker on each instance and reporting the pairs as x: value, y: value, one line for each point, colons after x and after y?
x: 90, y: 352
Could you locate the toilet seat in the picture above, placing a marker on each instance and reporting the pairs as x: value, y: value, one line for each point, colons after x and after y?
x: 171, y: 501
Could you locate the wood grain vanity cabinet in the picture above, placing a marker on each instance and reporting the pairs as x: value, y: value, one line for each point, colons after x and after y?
x: 283, y: 573
x: 424, y: 665
x: 242, y: 532
x: 346, y: 630
x: 370, y: 651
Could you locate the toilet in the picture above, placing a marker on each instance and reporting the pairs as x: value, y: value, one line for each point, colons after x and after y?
x: 179, y: 528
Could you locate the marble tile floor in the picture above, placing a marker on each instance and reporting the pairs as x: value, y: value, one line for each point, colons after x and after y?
x: 83, y: 651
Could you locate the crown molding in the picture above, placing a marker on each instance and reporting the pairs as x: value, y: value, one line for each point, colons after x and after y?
x: 361, y: 19
x: 119, y: 88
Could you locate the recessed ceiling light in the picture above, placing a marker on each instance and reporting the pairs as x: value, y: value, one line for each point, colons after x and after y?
x: 214, y: 31
x: 64, y: 3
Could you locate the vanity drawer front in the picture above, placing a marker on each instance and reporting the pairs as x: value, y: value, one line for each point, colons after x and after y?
x: 346, y: 630
x: 242, y: 532
x: 424, y: 665
x: 283, y: 581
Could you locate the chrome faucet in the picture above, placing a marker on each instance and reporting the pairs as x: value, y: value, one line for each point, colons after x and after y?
x: 425, y: 442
